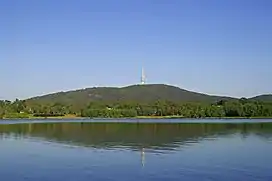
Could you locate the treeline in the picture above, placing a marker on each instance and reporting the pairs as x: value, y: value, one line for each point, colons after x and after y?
x: 237, y: 108
x: 240, y: 108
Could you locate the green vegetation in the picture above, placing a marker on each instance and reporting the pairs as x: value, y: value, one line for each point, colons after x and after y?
x: 145, y: 101
x: 134, y: 93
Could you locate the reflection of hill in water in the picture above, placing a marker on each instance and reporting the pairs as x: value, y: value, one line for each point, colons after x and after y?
x: 133, y: 135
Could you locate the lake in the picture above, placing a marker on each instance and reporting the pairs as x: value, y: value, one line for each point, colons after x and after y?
x: 130, y: 150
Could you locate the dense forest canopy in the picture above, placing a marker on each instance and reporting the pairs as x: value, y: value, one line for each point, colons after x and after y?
x: 139, y: 93
x: 135, y: 101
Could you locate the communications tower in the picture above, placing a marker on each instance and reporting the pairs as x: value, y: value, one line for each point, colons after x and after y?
x: 143, y: 78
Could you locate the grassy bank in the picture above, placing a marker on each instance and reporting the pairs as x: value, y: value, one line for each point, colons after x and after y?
x: 31, y: 116
x: 73, y: 116
x: 159, y: 117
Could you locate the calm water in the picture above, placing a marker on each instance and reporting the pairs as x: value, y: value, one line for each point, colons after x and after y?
x: 81, y: 151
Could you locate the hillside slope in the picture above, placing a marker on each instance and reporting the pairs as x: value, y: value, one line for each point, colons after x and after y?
x: 139, y: 93
x: 264, y: 98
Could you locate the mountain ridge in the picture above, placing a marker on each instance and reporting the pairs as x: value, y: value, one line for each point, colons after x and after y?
x: 136, y: 93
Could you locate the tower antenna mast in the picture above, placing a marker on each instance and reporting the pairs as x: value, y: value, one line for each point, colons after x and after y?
x: 143, y: 78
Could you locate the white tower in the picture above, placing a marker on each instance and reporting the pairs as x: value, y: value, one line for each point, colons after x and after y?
x: 143, y: 79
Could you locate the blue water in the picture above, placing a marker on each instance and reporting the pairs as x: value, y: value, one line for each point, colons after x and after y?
x: 121, y: 151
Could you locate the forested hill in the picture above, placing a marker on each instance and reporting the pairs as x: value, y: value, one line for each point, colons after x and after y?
x: 263, y: 98
x: 134, y: 101
x: 135, y: 93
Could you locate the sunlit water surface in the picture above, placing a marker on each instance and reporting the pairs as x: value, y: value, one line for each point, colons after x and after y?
x: 81, y: 151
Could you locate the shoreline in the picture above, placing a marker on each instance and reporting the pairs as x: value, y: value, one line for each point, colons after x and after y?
x: 137, y: 117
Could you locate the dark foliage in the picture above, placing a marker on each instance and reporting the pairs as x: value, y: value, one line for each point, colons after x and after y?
x: 47, y: 115
x: 139, y: 93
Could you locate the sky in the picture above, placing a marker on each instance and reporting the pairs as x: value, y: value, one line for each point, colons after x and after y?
x: 218, y: 47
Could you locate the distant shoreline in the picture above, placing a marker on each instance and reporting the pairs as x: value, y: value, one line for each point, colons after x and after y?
x: 137, y: 117
x: 177, y: 117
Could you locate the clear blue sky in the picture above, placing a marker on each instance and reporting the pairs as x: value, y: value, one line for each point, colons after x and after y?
x: 219, y: 47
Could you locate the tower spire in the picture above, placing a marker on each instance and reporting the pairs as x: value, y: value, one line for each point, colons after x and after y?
x: 143, y: 77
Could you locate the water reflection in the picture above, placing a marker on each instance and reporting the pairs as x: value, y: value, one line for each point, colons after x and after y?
x: 133, y: 136
x: 143, y: 156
